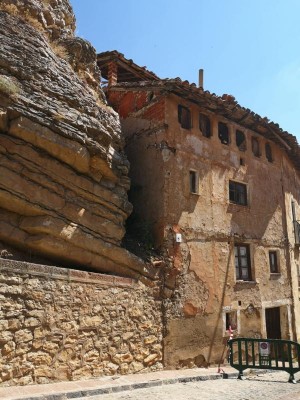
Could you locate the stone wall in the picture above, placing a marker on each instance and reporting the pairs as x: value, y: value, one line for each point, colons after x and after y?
x: 59, y: 324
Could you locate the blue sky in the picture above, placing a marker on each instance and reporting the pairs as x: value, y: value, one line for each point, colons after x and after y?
x: 247, y: 48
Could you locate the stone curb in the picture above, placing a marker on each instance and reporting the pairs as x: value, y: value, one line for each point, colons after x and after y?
x: 82, y: 394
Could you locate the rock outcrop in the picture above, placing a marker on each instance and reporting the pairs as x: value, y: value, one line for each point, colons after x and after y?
x: 63, y: 174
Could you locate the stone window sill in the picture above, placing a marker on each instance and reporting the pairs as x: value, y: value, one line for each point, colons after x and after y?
x: 275, y: 275
x: 238, y: 204
x: 245, y: 207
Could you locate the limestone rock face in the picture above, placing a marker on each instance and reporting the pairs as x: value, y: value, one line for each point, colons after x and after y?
x: 55, y: 17
x: 63, y: 173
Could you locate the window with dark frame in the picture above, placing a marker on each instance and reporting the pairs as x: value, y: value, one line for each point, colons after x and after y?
x: 255, y: 146
x: 184, y: 117
x: 223, y: 133
x: 273, y: 262
x: 238, y: 193
x: 193, y: 182
x: 204, y: 125
x: 268, y: 150
x: 240, y: 140
x: 242, y: 262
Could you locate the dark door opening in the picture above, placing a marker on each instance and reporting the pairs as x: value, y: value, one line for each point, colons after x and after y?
x: 273, y: 323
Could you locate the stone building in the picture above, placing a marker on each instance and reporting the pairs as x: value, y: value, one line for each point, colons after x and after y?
x: 220, y: 188
x: 217, y: 185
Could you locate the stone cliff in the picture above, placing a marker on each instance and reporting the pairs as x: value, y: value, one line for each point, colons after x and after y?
x: 63, y: 173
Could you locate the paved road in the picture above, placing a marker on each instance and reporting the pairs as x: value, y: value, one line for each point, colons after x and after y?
x: 270, y: 386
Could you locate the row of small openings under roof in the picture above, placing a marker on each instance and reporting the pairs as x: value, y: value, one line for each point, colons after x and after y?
x: 185, y: 120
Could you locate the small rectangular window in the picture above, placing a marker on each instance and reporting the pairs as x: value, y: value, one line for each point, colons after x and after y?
x: 204, y: 125
x: 255, y: 147
x: 268, y: 150
x: 223, y: 133
x: 240, y: 139
x: 193, y: 182
x: 238, y: 193
x: 242, y: 262
x: 184, y: 117
x: 273, y: 262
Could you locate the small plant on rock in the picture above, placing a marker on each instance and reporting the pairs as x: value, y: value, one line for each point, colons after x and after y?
x: 8, y: 87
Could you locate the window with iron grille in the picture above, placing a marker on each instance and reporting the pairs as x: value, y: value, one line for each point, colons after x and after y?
x: 273, y: 262
x: 238, y: 193
x: 184, y: 117
x: 242, y: 262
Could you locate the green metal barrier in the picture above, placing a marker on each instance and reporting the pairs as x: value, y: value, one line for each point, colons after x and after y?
x: 274, y: 354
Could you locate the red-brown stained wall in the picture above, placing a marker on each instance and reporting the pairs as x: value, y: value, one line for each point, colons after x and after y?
x: 126, y: 103
x: 156, y: 111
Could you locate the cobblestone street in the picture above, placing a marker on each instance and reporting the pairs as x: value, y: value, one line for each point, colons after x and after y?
x: 271, y: 386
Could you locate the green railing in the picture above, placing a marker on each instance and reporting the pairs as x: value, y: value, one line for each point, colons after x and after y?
x: 273, y: 354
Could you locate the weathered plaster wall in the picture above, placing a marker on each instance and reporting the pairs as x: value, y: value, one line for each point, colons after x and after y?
x: 58, y: 324
x: 201, y: 273
x: 291, y: 182
x: 210, y: 226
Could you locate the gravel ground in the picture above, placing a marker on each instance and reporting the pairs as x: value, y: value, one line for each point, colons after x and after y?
x: 271, y: 386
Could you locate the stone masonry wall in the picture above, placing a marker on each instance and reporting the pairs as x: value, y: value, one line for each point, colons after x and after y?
x: 59, y: 324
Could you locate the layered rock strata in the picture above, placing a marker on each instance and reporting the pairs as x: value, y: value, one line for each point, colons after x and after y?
x: 63, y: 174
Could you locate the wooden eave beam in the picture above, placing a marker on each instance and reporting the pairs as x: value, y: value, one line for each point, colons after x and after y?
x: 283, y: 142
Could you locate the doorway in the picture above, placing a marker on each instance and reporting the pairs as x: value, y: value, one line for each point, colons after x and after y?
x: 273, y: 326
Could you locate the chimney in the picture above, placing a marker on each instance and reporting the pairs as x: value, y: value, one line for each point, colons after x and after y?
x: 201, y: 73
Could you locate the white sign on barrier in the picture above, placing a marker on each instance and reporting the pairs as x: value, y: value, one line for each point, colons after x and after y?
x: 264, y: 348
